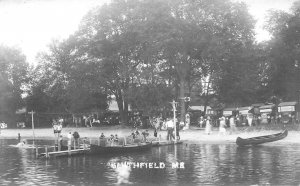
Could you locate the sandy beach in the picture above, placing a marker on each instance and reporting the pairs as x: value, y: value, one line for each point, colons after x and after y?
x: 193, y: 135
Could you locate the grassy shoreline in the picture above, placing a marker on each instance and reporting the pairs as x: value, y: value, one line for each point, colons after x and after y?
x: 192, y: 135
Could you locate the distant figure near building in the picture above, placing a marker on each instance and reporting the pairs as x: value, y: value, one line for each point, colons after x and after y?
x: 116, y: 139
x: 187, y: 120
x: 155, y: 133
x: 111, y: 140
x: 232, y: 124
x: 208, y: 126
x: 222, y: 129
x: 102, y: 136
x: 19, y: 137
x: 201, y: 121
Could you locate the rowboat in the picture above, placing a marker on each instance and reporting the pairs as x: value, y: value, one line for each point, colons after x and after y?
x: 97, y: 149
x: 261, y: 139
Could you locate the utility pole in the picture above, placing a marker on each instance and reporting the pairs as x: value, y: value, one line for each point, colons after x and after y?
x: 298, y: 107
x: 32, y: 124
x: 174, y: 104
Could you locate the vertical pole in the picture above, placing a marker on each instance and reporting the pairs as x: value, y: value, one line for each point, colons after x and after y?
x: 32, y: 123
x: 124, y: 141
x: 174, y: 115
x: 59, y: 143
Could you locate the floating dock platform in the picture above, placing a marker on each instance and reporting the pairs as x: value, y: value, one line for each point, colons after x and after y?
x: 64, y: 153
x: 165, y: 143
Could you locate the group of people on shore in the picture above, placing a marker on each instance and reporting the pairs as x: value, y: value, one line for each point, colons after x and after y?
x: 222, y: 124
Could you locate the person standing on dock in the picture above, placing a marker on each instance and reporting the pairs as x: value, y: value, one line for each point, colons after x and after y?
x: 170, y: 128
x: 76, y: 137
x: 145, y: 135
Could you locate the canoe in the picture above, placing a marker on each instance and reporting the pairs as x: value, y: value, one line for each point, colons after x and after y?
x: 96, y: 149
x: 165, y: 143
x: 261, y: 139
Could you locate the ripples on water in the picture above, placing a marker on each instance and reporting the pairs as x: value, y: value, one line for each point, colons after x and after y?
x: 204, y: 164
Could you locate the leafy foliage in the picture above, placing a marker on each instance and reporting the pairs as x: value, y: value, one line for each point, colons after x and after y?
x: 13, y: 78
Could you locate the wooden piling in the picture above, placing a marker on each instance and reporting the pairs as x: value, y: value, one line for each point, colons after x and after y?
x: 46, y: 151
x: 36, y: 151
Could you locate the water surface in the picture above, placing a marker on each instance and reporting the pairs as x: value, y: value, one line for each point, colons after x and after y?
x: 204, y: 164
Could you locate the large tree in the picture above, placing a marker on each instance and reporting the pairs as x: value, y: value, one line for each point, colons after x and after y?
x: 126, y: 48
x: 59, y: 85
x: 13, y: 78
x: 284, y: 53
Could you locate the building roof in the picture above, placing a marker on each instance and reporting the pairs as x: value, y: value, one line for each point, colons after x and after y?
x: 267, y: 106
x: 257, y: 104
x: 230, y: 109
x: 244, y: 108
x: 292, y: 103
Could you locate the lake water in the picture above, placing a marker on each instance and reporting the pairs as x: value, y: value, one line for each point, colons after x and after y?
x: 201, y: 164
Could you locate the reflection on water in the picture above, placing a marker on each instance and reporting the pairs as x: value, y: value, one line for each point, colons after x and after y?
x: 203, y: 164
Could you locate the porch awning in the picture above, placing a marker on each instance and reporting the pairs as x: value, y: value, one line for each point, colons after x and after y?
x: 229, y: 109
x: 198, y: 108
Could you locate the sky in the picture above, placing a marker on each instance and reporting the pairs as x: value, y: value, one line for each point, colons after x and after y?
x: 31, y: 24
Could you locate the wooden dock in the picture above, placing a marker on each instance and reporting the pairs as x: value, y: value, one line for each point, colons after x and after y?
x: 64, y: 153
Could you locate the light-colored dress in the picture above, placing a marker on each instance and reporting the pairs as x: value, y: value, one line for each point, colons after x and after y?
x: 222, y: 129
x: 208, y: 127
